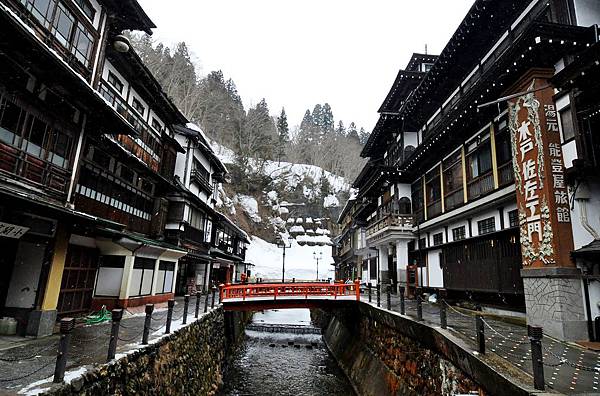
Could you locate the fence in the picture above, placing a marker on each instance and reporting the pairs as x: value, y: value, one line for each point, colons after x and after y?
x: 530, y: 349
x: 86, y: 348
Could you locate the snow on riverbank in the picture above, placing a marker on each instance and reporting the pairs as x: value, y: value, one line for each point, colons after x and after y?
x: 299, y: 261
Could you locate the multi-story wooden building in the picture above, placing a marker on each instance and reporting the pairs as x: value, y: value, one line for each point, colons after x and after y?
x: 92, y: 152
x: 482, y: 159
x: 52, y: 57
x: 193, y: 221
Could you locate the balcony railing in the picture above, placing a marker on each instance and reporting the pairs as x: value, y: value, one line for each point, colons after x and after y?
x: 28, y: 167
x: 481, y: 186
x: 506, y: 174
x: 434, y: 209
x: 200, y: 178
x: 454, y: 199
x: 136, y: 121
x: 193, y: 234
x: 403, y: 222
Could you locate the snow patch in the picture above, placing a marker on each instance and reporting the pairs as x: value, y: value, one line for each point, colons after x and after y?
x: 249, y: 205
x: 331, y: 201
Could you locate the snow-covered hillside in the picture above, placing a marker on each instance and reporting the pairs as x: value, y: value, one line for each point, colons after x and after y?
x: 299, y: 261
x: 292, y: 174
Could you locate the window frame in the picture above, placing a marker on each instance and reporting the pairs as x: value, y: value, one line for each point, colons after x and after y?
x: 486, y: 226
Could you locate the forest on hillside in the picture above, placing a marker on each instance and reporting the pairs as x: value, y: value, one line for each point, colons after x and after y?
x: 255, y: 134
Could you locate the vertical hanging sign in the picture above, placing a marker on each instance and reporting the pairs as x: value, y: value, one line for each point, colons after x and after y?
x: 542, y: 196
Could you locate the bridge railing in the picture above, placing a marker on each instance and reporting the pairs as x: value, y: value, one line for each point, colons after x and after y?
x: 289, y: 290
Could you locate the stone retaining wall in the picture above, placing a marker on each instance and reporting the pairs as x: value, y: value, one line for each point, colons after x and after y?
x: 384, y: 353
x: 188, y: 361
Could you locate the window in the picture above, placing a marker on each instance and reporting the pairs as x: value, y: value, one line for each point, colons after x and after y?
x: 127, y: 174
x: 458, y: 233
x: 87, y: 8
x: 138, y: 106
x: 156, y: 125
x: 82, y: 45
x: 480, y: 162
x: 422, y: 243
x: 101, y: 159
x: 41, y: 10
x: 141, y: 277
x: 166, y: 273
x: 34, y: 137
x: 566, y: 123
x: 486, y: 226
x: 60, y: 149
x: 453, y: 181
x: 147, y: 186
x: 10, y: 122
x: 196, y: 218
x: 64, y: 22
x: 513, y: 218
x: 110, y: 273
x: 438, y: 239
x: 115, y: 82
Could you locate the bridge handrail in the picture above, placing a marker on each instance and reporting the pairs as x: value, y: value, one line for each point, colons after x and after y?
x: 304, y: 289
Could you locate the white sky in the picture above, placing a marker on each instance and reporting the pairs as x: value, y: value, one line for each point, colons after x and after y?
x: 296, y: 53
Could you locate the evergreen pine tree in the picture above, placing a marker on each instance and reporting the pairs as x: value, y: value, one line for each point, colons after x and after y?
x: 363, y: 136
x: 284, y: 133
x: 327, y: 121
x: 352, y: 133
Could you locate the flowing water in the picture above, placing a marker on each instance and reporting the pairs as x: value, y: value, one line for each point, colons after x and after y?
x: 284, y: 363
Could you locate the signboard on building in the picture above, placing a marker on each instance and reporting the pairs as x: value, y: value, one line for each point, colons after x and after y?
x: 13, y: 231
x: 542, y: 196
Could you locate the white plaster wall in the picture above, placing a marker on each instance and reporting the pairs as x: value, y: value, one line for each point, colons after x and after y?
x: 180, y: 164
x: 569, y: 153
x: 580, y: 236
x: 436, y: 276
x: 410, y: 139
x: 109, y: 67
x: 508, y: 208
x: 587, y: 12
x: 404, y: 190
x: 133, y: 94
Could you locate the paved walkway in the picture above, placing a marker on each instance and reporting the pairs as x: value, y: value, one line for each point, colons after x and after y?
x: 27, y: 363
x: 568, y: 368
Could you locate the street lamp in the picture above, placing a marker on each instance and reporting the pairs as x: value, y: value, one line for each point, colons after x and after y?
x: 282, y: 244
x: 318, y: 257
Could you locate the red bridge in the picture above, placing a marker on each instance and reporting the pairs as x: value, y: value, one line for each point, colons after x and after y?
x: 257, y: 296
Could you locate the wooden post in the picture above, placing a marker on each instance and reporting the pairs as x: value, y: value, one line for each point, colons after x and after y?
x: 206, y: 302
x: 212, y: 303
x: 369, y: 286
x: 480, y: 333
x: 419, y: 308
x: 186, y: 304
x: 357, y: 289
x: 537, y: 358
x: 66, y: 328
x: 116, y: 315
x: 389, y: 298
x: 170, y: 305
x: 198, y: 294
x: 402, y: 302
x: 443, y: 315
x: 147, y: 323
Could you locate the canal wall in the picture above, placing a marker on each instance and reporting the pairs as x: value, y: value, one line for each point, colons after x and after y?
x: 190, y: 360
x: 384, y: 353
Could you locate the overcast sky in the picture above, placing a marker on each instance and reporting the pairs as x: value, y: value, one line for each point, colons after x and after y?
x: 296, y: 53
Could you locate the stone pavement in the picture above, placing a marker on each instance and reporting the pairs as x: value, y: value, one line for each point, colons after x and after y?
x: 568, y: 368
x: 27, y: 361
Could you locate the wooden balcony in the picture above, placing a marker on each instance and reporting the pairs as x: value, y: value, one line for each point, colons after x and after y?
x: 388, y: 224
x: 40, y: 173
x: 506, y: 174
x: 480, y: 186
x: 193, y: 234
x: 200, y: 178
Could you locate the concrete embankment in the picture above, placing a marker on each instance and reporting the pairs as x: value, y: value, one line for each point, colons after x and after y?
x: 188, y: 361
x: 384, y: 353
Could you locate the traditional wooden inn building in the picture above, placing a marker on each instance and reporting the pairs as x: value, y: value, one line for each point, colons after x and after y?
x: 210, y: 238
x: 89, y: 146
x: 482, y: 173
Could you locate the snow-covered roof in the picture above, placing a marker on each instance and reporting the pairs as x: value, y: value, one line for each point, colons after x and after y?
x: 291, y: 220
x: 320, y: 231
x: 309, y: 220
x: 299, y: 220
x: 297, y: 229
